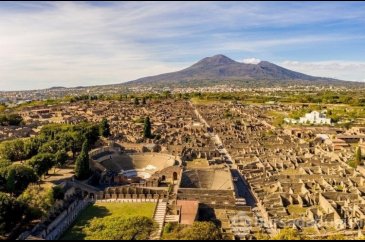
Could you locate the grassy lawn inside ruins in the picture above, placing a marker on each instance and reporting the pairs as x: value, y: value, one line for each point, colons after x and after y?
x: 198, y: 101
x: 292, y: 172
x: 198, y: 163
x: 107, y: 210
x: 296, y: 211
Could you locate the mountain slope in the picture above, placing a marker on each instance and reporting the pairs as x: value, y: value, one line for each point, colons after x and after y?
x: 222, y: 68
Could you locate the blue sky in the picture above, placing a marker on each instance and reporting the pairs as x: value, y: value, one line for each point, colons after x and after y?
x: 45, y: 44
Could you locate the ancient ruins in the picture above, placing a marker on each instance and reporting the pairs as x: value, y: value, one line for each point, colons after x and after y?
x: 224, y: 160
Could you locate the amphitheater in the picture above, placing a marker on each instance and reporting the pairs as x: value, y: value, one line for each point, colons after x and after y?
x: 142, y: 165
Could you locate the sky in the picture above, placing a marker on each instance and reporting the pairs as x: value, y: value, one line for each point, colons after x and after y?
x: 47, y: 44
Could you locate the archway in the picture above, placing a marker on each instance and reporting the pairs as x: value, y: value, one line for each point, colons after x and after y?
x: 174, y: 176
x: 85, y: 194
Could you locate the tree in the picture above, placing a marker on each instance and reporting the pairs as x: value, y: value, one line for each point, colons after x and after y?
x: 147, y: 133
x: 82, y: 168
x: 32, y: 146
x: 65, y: 140
x: 13, y: 150
x: 60, y: 158
x: 10, y: 181
x: 4, y: 163
x: 288, y: 234
x: 169, y: 227
x: 197, y: 231
x: 39, y: 200
x: 202, y: 231
x: 51, y: 146
x: 336, y: 237
x: 166, y: 94
x: 3, y: 166
x: 136, y: 101
x: 3, y: 120
x: 42, y: 163
x: 104, y: 128
x: 262, y: 236
x: 69, y: 137
x: 11, y: 213
x: 15, y: 119
x: 89, y: 131
x: 118, y: 228
x: 76, y: 142
x: 144, y: 102
x: 18, y: 177
x: 358, y: 156
x: 58, y: 193
x: 11, y: 119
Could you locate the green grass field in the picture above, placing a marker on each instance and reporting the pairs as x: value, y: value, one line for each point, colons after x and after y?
x: 198, y: 101
x: 102, y: 210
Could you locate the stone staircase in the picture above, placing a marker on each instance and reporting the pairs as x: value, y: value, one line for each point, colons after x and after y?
x: 172, y: 218
x: 159, y: 217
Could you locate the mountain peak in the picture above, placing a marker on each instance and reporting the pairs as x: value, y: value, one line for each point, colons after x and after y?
x: 266, y: 63
x: 220, y: 68
x: 216, y: 60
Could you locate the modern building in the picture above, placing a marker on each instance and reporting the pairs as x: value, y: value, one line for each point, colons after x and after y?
x: 314, y: 117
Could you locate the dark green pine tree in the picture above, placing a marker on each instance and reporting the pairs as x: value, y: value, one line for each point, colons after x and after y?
x: 10, y: 182
x: 136, y: 101
x: 104, y: 128
x: 358, y: 156
x: 82, y: 167
x: 144, y: 102
x: 147, y: 131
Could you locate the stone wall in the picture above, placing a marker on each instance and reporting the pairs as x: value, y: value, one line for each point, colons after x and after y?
x: 213, y: 198
x: 326, y: 205
x: 59, y: 225
x: 65, y: 220
x: 128, y: 192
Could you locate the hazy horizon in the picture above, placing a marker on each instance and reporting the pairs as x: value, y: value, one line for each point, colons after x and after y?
x: 70, y: 44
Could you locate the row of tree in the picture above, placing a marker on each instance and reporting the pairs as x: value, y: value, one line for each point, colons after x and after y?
x: 49, y: 149
x: 15, y: 178
x: 11, y: 212
x: 119, y: 228
x: 52, y: 139
x: 197, y: 231
x: 137, y: 101
x: 10, y: 120
x: 15, y: 211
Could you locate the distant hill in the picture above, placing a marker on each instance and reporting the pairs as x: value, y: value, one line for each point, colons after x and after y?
x: 57, y: 88
x: 220, y: 69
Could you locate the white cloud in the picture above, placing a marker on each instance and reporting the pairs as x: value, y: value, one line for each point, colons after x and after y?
x: 73, y: 45
x: 343, y: 70
x: 77, y: 43
x: 251, y: 61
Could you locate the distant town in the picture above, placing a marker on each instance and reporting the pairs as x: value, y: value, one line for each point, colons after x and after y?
x: 20, y: 97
